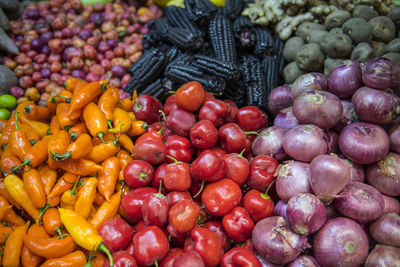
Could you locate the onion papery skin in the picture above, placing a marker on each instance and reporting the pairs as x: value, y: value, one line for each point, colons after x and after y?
x: 376, y: 106
x: 276, y: 242
x: 306, y: 213
x: 340, y: 242
x: 332, y: 141
x: 385, y: 175
x: 391, y: 204
x: 380, y: 73
x: 348, y: 116
x: 360, y: 202
x: 395, y: 138
x: 383, y: 255
x: 364, y: 143
x: 280, y: 209
x: 305, y: 142
x: 279, y: 98
x: 286, y: 119
x: 292, y: 178
x: 345, y: 79
x: 304, y: 261
x: 309, y: 81
x: 386, y: 230
x: 269, y: 142
x: 328, y: 176
x: 318, y: 107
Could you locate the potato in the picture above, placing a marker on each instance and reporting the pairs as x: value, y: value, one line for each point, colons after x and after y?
x: 317, y: 36
x: 305, y: 29
x: 7, y: 80
x: 331, y: 63
x: 310, y: 57
x: 291, y: 72
x: 336, y: 45
x: 378, y: 47
x: 393, y: 46
x: 394, y: 14
x: 358, y: 29
x: 336, y: 30
x: 365, y: 12
x: 383, y: 29
x: 393, y: 57
x: 337, y: 18
x: 362, y: 52
x: 292, y: 46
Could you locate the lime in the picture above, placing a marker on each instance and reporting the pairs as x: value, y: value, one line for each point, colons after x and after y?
x: 5, y: 114
x: 218, y: 2
x: 8, y: 101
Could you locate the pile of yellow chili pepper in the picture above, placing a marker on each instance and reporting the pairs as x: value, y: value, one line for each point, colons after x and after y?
x: 69, y: 155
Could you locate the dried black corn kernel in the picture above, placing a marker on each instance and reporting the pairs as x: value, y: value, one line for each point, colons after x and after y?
x: 243, y: 30
x: 184, y: 39
x: 178, y: 17
x: 254, y: 78
x: 265, y: 43
x: 217, y: 67
x: 231, y: 9
x: 222, y: 39
x: 270, y: 67
x: 200, y: 11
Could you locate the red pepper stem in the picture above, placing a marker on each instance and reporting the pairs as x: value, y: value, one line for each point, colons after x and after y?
x: 241, y: 152
x: 162, y: 115
x: 156, y: 263
x: 103, y: 248
x: 201, y: 189
x: 251, y: 132
x: 175, y: 160
x: 265, y: 195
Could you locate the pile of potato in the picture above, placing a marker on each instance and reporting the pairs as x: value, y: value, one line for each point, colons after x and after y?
x: 360, y: 36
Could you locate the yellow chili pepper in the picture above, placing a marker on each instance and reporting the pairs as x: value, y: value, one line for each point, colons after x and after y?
x: 86, y: 197
x: 68, y: 198
x: 121, y: 120
x: 107, y: 210
x: 83, y: 233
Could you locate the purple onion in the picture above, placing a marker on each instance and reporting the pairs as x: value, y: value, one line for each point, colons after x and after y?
x: 383, y: 255
x: 280, y: 209
x: 328, y: 176
x: 71, y: 52
x: 118, y: 71
x: 269, y: 142
x: 319, y: 108
x: 360, y: 202
x: 332, y: 141
x: 265, y: 263
x: 112, y: 43
x: 292, y: 178
x: 276, y: 242
x: 36, y: 44
x: 96, y: 18
x: 376, y: 106
x: 386, y: 230
x: 46, y: 73
x: 305, y: 142
x: 45, y: 50
x: 364, y: 143
x: 385, y: 175
x: 17, y: 92
x: 357, y: 172
x: 32, y: 13
x: 304, y: 261
x: 103, y: 47
x: 46, y: 37
x: 345, y: 79
x: 391, y: 205
x: 380, y: 73
x: 395, y: 138
x: 279, y: 98
x: 78, y: 74
x: 85, y: 34
x: 348, y: 116
x: 306, y: 213
x: 341, y: 242
x: 309, y: 81
x: 286, y: 119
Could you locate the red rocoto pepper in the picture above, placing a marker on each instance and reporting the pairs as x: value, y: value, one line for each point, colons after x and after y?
x: 179, y: 148
x: 259, y: 205
x: 183, y: 215
x: 151, y: 246
x: 208, y: 166
x: 215, y: 111
x: 177, y: 176
x: 238, y: 225
x: 216, y: 227
x: 133, y: 201
x: 146, y: 108
x: 262, y: 169
x: 168, y: 261
x: 239, y: 257
x: 207, y: 244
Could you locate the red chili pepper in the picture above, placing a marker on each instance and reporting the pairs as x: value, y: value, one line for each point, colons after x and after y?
x: 238, y: 224
x: 177, y: 176
x: 262, y: 169
x: 183, y: 215
x: 179, y: 148
x: 238, y: 256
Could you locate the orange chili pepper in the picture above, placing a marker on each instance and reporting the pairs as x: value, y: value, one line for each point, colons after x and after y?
x: 92, y: 212
x: 108, y: 137
x: 80, y: 167
x: 54, y: 201
x: 16, y: 189
x: 65, y: 117
x: 121, y: 121
x: 19, y: 142
x: 5, y: 232
x: 76, y: 258
x: 95, y: 120
x: 108, y: 101
x: 77, y: 130
x: 48, y: 176
x: 126, y: 104
x: 107, y: 210
x: 10, y: 215
x: 57, y: 146
x: 7, y: 130
x: 86, y: 197
x: 103, y: 151
x: 38, y: 127
x: 81, y: 147
x: 123, y: 188
x: 28, y: 259
x: 4, y: 210
x: 8, y: 160
x: 2, y: 124
x: 85, y: 95
x: 70, y: 83
x: 108, y: 177
x: 99, y: 199
x: 34, y: 112
x: 34, y: 187
x: 66, y: 182
x: 69, y: 197
x: 52, y: 222
x: 63, y: 97
x: 32, y: 135
x: 52, y: 163
x: 126, y: 142
x: 79, y: 85
x: 137, y: 128
x: 12, y: 250
x: 124, y: 158
x: 98, y: 259
x: 54, y: 125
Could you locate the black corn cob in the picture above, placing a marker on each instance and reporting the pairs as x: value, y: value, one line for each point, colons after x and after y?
x: 222, y: 39
x: 243, y: 30
x: 183, y: 58
x: 152, y: 88
x: 172, y: 54
x: 178, y: 17
x: 254, y: 78
x: 279, y: 45
x: 161, y: 26
x: 232, y: 9
x: 226, y: 70
x: 200, y: 11
x: 236, y: 91
x: 270, y: 67
x: 265, y: 43
x: 151, y: 39
x: 184, y: 39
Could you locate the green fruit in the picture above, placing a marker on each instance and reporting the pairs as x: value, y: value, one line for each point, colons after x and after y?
x: 5, y: 114
x: 8, y: 101
x: 93, y: 2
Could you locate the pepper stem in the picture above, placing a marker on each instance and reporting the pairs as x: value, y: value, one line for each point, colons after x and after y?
x: 42, y: 210
x: 119, y: 135
x: 159, y: 194
x: 101, y: 135
x: 58, y: 157
x: 241, y: 152
x: 156, y: 263
x: 60, y: 235
x: 161, y: 130
x: 201, y: 189
x: 73, y: 190
x: 72, y: 136
x: 109, y: 124
x: 162, y: 115
x: 16, y: 121
x: 265, y: 195
x: 28, y: 109
x: 16, y: 169
x: 103, y: 248
x: 104, y: 85
x: 251, y: 132
x: 33, y: 142
x: 174, y: 159
x: 143, y: 175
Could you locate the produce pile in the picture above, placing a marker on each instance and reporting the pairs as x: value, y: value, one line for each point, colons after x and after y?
x: 212, y: 45
x: 58, y: 39
x: 361, y: 35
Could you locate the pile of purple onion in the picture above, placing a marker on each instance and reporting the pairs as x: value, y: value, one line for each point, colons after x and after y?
x: 338, y: 142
